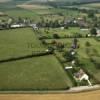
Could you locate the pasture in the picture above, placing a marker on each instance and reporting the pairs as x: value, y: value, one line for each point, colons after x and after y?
x: 71, y: 31
x: 36, y: 73
x: 39, y: 73
x: 18, y: 42
x: 43, y: 72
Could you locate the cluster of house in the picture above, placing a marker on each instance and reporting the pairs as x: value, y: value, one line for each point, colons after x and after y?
x: 77, y: 22
x: 81, y: 75
x: 19, y: 23
x: 34, y: 26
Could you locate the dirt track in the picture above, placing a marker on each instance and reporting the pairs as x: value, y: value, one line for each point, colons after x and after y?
x: 94, y: 95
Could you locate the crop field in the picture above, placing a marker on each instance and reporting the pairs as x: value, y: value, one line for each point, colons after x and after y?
x: 90, y: 95
x: 33, y: 74
x: 30, y: 7
x: 18, y: 42
x: 92, y: 5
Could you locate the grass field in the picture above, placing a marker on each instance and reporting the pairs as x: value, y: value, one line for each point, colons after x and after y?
x: 17, y: 42
x: 40, y: 73
x: 65, y: 32
x: 37, y: 73
x: 85, y: 53
x: 43, y: 72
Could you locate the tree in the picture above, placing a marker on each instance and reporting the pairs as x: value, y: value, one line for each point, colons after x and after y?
x: 75, y: 42
x: 59, y: 46
x: 20, y: 20
x: 68, y: 56
x: 93, y: 31
x: 91, y: 14
x: 56, y: 36
x: 56, y: 24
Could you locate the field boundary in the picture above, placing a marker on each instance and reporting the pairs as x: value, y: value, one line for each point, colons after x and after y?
x: 26, y: 56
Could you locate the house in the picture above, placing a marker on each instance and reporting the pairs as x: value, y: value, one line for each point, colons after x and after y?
x: 34, y: 26
x: 69, y: 67
x: 98, y: 32
x: 62, y: 28
x: 2, y: 14
x: 84, y: 29
x: 82, y: 24
x: 81, y: 75
x: 17, y: 25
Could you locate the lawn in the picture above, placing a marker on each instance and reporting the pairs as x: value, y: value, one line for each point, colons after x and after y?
x: 71, y: 31
x: 18, y: 42
x: 39, y: 73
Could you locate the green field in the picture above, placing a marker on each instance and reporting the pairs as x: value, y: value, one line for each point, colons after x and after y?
x: 37, y: 73
x: 71, y: 31
x: 21, y: 70
x: 84, y: 56
x: 18, y: 42
x: 92, y: 5
x: 40, y: 73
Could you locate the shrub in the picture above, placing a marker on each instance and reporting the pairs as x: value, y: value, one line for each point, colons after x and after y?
x: 56, y: 36
x: 87, y: 44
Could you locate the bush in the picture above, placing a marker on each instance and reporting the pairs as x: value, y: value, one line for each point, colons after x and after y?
x: 68, y: 56
x: 44, y: 42
x: 87, y: 44
x: 96, y: 61
x: 56, y: 36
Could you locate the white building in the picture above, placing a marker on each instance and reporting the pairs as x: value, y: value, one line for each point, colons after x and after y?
x: 17, y: 25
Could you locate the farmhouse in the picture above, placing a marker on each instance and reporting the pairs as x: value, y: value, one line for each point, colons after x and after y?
x: 81, y: 75
x: 70, y: 67
x: 2, y: 14
x: 84, y: 29
x: 17, y: 25
x: 98, y: 32
x: 34, y: 26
